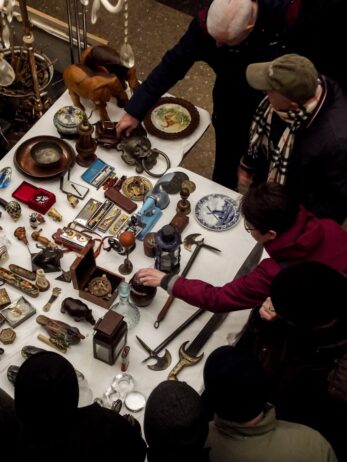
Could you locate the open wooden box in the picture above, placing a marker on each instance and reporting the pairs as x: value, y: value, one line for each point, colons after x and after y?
x: 84, y: 269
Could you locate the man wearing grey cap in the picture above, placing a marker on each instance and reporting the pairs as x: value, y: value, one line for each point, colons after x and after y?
x: 228, y: 36
x: 298, y: 135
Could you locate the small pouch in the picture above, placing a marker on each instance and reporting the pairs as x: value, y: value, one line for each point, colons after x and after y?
x: 119, y: 199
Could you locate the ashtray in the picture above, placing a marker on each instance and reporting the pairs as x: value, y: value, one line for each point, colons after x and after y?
x: 135, y: 401
x: 46, y: 153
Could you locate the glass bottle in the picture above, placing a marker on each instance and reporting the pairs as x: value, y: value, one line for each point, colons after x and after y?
x: 125, y: 307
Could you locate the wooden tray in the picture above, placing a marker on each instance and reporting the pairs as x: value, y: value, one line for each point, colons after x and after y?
x: 26, y: 164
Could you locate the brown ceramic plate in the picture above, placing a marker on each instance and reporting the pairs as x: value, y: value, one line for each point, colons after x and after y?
x: 172, y: 118
x: 25, y: 163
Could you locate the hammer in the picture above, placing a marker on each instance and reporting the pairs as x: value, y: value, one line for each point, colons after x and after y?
x: 188, y: 242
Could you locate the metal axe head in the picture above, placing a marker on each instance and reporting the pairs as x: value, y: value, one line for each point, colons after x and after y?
x: 191, y: 240
x: 162, y: 362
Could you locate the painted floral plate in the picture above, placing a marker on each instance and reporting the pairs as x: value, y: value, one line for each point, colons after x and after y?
x: 217, y: 212
x: 172, y: 118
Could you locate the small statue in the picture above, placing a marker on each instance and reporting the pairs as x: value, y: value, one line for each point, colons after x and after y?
x: 48, y: 259
x: 43, y: 240
x: 98, y: 77
x: 35, y: 220
x: 60, y: 330
x: 77, y: 309
x: 41, y: 281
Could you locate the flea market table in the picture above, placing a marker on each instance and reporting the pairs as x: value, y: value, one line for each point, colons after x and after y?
x: 235, y: 244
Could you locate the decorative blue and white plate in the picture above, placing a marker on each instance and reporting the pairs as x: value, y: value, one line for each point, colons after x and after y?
x: 217, y: 212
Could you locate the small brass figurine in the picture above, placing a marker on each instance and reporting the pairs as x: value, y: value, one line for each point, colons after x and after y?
x: 73, y: 201
x: 55, y: 214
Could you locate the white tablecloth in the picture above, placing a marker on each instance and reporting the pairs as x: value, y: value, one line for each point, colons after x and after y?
x: 235, y: 245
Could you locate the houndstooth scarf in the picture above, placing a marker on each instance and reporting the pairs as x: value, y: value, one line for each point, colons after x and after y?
x: 260, y: 142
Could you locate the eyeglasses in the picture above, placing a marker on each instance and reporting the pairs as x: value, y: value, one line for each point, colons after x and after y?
x: 247, y: 227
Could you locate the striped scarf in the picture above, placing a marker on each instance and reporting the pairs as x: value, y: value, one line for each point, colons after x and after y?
x: 260, y: 142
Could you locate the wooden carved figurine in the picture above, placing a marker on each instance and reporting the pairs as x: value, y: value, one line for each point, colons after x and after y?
x: 70, y: 335
x: 99, y: 76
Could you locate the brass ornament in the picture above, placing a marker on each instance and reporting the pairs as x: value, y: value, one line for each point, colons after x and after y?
x: 100, y: 286
x: 7, y: 336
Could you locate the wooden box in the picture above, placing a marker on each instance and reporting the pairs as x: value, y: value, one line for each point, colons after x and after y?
x: 84, y: 270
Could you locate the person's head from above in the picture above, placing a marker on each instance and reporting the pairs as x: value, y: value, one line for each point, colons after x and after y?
x: 268, y: 211
x: 289, y: 81
x: 46, y: 391
x: 236, y: 385
x: 175, y: 422
x: 310, y: 295
x: 230, y: 22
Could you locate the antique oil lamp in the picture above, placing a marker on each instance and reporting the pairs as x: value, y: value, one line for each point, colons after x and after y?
x: 167, y: 249
x: 110, y: 337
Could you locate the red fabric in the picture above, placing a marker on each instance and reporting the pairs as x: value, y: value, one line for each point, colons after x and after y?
x: 293, y: 12
x: 310, y: 238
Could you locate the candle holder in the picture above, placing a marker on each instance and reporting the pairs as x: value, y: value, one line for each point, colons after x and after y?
x: 127, y: 240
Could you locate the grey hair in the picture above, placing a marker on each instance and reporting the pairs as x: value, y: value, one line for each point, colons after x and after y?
x: 227, y: 19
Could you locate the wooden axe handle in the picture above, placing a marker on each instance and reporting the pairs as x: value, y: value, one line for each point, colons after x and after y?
x: 164, y: 310
x: 169, y: 301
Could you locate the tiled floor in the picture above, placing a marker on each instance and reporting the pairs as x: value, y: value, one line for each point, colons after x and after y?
x: 153, y: 29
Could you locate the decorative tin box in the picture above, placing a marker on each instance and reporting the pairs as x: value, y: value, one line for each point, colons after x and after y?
x: 95, y: 284
x: 67, y: 119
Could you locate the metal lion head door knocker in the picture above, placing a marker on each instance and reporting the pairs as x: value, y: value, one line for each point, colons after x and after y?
x: 137, y: 150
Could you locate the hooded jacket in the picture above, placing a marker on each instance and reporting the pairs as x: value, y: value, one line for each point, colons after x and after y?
x: 309, y: 238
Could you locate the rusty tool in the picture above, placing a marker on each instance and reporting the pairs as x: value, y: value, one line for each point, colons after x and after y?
x: 188, y: 242
x: 189, y: 356
x: 162, y: 361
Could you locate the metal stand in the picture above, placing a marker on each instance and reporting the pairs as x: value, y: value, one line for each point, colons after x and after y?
x: 77, y: 17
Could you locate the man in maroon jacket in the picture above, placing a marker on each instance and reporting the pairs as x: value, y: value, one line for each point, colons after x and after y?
x: 290, y: 234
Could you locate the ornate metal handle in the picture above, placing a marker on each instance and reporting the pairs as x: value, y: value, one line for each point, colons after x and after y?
x: 185, y: 361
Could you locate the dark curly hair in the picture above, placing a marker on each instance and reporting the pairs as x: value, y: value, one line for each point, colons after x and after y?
x: 268, y: 207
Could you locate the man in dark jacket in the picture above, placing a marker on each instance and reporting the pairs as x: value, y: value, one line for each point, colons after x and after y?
x: 228, y: 37
x: 289, y: 233
x: 304, y: 349
x: 298, y: 136
x: 46, y: 399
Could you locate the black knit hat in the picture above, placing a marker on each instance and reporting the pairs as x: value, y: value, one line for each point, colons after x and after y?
x: 46, y: 390
x: 175, y: 420
x: 309, y: 294
x: 236, y: 386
